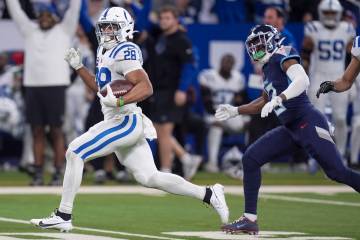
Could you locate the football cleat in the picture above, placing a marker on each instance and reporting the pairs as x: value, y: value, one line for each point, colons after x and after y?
x: 53, y: 222
x: 242, y: 225
x: 217, y: 201
x: 190, y: 167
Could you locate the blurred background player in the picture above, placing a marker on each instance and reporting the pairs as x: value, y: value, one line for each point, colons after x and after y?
x: 324, y: 50
x: 45, y: 78
x: 225, y: 85
x: 342, y: 84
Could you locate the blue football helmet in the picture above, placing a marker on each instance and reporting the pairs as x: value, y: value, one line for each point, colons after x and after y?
x: 262, y: 42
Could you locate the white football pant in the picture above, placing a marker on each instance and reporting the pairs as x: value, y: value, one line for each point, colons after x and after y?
x: 125, y: 137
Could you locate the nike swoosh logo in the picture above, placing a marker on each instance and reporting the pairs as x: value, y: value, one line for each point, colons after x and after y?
x: 41, y: 224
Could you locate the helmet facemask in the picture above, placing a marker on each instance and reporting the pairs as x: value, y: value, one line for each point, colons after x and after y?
x: 330, y: 18
x: 260, y: 47
x: 330, y: 12
x: 109, y: 33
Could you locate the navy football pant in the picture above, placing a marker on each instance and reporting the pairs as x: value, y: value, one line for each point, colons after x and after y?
x: 310, y: 132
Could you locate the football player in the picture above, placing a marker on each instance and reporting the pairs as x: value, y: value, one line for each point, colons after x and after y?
x: 124, y: 128
x: 342, y: 84
x: 348, y: 78
x: 284, y: 93
x: 221, y: 86
x: 325, y: 45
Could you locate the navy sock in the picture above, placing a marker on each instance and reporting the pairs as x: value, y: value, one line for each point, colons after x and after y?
x: 64, y: 216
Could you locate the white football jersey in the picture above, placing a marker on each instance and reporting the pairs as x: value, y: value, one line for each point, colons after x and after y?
x: 222, y: 90
x: 355, y: 50
x: 114, y: 64
x: 328, y: 55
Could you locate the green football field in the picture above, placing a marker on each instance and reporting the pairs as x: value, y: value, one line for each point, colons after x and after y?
x: 104, y: 216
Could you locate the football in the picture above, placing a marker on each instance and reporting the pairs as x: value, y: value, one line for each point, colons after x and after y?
x: 119, y: 87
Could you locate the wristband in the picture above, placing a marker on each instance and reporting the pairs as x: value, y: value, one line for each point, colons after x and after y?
x: 120, y: 101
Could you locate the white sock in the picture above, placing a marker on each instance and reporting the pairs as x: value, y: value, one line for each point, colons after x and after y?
x: 165, y: 170
x: 250, y: 216
x: 72, y: 181
x: 341, y: 135
x: 214, y: 141
x: 175, y: 184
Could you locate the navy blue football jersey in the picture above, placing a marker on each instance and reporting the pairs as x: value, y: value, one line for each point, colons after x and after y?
x: 276, y: 81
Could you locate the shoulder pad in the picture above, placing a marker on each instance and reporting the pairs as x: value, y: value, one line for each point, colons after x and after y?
x: 126, y: 51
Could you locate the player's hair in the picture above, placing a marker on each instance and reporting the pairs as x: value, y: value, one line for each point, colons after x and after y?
x: 169, y: 8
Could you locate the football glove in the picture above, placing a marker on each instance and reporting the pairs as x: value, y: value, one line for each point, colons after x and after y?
x: 325, y: 87
x: 109, y: 100
x: 270, y: 106
x: 226, y: 111
x: 74, y: 58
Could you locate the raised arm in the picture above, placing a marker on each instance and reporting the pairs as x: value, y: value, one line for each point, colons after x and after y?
x: 71, y: 17
x: 73, y: 57
x: 18, y: 15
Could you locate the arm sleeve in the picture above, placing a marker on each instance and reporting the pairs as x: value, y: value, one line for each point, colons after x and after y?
x: 71, y: 17
x: 85, y: 20
x: 299, y: 81
x: 18, y: 15
x: 187, y: 75
x: 142, y: 15
x: 186, y: 59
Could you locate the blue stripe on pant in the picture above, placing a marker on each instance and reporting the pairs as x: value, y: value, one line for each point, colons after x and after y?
x: 112, y: 139
x: 102, y: 135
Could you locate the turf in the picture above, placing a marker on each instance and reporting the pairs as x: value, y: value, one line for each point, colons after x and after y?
x: 154, y: 215
x: 202, y: 178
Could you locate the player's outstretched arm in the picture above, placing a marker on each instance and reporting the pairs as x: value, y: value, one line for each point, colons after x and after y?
x: 344, y: 83
x: 74, y: 58
x: 226, y: 111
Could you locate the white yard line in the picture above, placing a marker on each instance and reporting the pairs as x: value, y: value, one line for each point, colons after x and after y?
x: 235, y: 190
x: 13, y: 220
x: 83, y: 190
x: 309, y: 200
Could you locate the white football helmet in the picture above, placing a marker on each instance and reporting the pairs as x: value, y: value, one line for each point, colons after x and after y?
x: 115, y: 25
x: 330, y: 12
